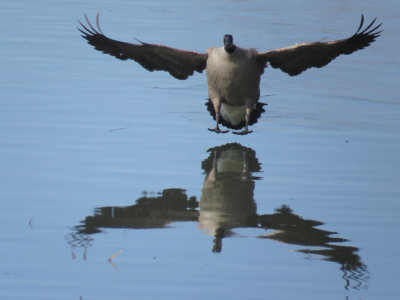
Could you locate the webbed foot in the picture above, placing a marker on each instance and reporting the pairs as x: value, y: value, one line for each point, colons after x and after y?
x: 217, y: 130
x: 244, y: 132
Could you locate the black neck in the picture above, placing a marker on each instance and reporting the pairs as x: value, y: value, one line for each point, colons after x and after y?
x: 230, y: 49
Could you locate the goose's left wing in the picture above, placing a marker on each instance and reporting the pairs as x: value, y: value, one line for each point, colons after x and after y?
x: 179, y: 63
x: 298, y: 58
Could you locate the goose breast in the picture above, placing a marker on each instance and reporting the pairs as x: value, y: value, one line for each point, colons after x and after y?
x: 233, y: 78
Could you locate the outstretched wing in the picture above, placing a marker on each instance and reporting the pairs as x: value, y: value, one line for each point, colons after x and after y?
x: 298, y: 58
x: 179, y: 63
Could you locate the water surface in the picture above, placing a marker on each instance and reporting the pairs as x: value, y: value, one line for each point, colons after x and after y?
x: 113, y: 188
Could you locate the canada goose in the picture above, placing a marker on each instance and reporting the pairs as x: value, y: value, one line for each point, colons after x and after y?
x: 233, y: 73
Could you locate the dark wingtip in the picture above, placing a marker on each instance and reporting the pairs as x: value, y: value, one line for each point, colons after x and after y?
x: 98, y: 22
x: 369, y: 26
x: 88, y: 29
x: 368, y: 31
x: 372, y: 31
x: 90, y: 24
x: 361, y: 23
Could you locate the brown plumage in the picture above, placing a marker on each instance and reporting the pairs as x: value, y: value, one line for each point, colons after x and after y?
x: 233, y: 73
x: 298, y: 58
x: 179, y: 63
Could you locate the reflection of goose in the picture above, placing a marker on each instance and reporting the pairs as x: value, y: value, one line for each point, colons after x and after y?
x: 227, y: 199
x: 233, y: 73
x: 227, y: 202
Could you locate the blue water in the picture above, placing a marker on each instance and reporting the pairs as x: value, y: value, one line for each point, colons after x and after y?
x: 101, y: 159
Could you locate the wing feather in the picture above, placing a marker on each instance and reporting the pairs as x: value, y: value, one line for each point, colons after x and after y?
x: 179, y: 63
x: 300, y: 57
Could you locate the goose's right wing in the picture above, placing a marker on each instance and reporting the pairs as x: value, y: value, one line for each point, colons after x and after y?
x: 298, y: 58
x: 179, y: 63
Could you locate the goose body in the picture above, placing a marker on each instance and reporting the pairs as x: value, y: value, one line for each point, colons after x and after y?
x: 233, y: 83
x: 233, y: 73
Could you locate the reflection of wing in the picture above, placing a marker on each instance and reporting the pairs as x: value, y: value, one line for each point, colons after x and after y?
x: 293, y: 229
x: 179, y: 63
x: 298, y: 58
x: 355, y: 272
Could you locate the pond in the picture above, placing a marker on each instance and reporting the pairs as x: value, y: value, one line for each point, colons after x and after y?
x: 113, y: 188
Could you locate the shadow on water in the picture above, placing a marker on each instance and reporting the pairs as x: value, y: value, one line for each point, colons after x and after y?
x: 226, y: 203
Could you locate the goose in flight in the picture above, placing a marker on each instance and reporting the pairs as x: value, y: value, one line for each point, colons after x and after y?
x: 233, y: 73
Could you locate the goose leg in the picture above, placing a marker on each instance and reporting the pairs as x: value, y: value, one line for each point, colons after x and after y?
x: 217, y: 107
x: 246, y: 129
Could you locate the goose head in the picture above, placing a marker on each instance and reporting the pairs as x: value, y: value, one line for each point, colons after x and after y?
x: 229, y: 46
